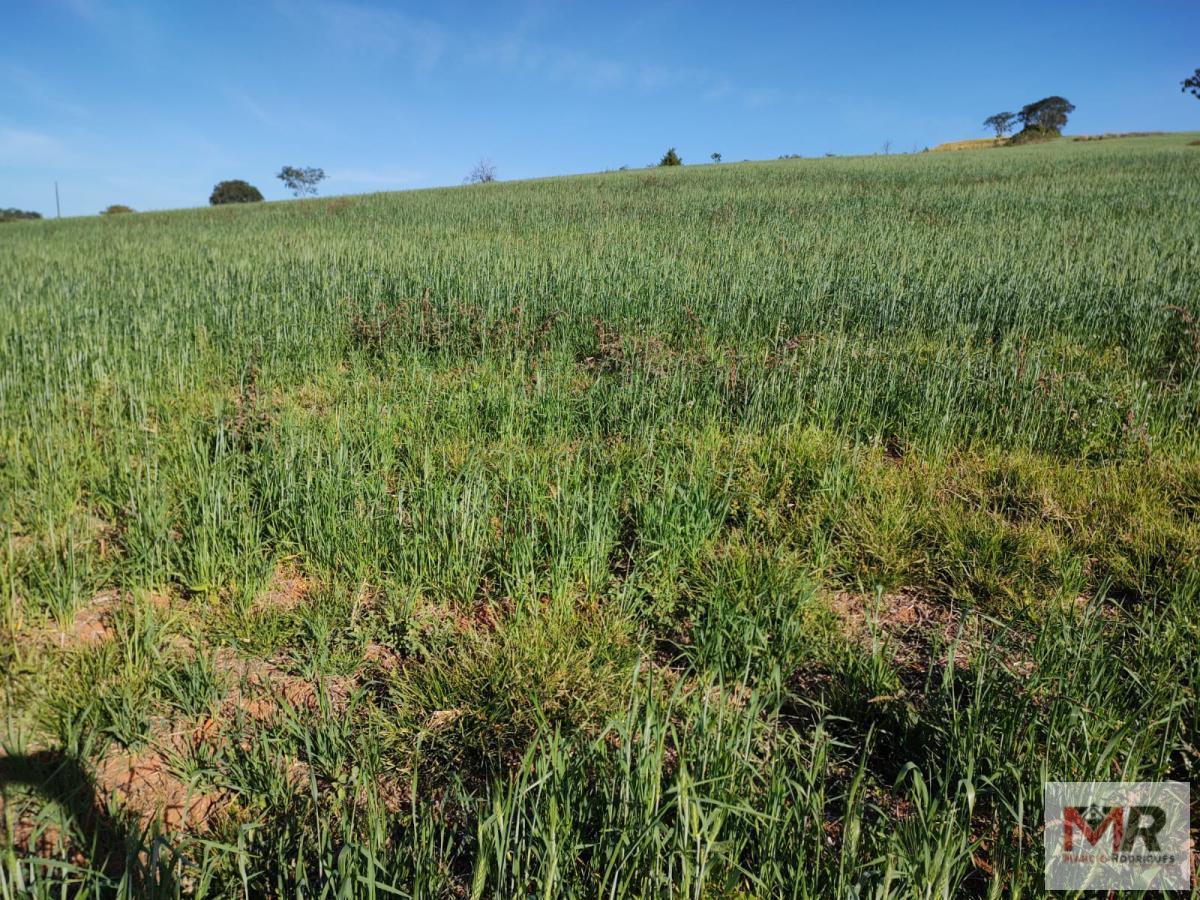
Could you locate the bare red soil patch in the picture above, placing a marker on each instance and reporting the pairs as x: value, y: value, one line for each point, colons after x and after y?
x: 92, y: 623
x: 263, y: 689
x: 30, y: 837
x: 145, y: 786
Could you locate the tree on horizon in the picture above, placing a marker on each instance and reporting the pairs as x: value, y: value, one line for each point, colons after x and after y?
x: 1048, y: 115
x: 1192, y: 84
x: 1001, y: 123
x: 301, y: 181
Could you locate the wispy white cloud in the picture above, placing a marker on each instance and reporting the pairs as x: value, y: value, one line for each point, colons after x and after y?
x: 20, y: 146
x: 277, y: 118
x: 720, y: 89
x: 517, y: 54
x: 247, y: 104
x: 581, y: 69
x: 85, y: 9
x: 426, y: 44
x: 356, y: 26
x: 130, y: 26
x: 38, y: 91
x: 759, y: 98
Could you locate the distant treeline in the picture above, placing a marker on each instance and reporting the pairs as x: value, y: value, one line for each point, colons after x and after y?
x: 13, y: 215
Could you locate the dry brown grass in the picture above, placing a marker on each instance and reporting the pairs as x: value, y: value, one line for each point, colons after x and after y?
x: 970, y: 144
x: 287, y: 590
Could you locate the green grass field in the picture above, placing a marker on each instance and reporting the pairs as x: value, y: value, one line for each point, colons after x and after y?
x: 731, y: 531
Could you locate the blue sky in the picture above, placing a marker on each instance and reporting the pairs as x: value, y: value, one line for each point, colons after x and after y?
x: 150, y: 104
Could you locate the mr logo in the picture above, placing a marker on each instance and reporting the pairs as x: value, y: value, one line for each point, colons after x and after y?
x: 1117, y: 835
x: 1128, y: 825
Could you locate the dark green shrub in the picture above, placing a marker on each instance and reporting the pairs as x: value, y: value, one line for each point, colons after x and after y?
x: 1032, y: 136
x: 236, y: 191
x: 670, y: 158
x: 117, y: 208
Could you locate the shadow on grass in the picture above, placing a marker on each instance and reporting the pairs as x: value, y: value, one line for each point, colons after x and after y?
x: 111, y: 852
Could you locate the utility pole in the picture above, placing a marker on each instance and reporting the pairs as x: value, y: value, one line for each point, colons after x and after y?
x: 57, y: 208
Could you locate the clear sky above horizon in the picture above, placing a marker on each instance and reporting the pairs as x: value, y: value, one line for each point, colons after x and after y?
x: 150, y: 104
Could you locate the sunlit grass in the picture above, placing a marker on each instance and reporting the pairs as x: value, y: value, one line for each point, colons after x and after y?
x: 753, y: 530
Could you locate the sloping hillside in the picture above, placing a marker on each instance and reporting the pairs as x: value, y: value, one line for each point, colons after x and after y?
x: 737, y: 530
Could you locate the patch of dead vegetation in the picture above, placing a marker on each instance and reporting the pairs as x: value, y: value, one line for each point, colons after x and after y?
x: 382, y: 658
x: 309, y: 398
x: 102, y: 532
x: 22, y: 543
x: 921, y: 632
x: 395, y: 795
x: 287, y: 590
x: 443, y: 718
x: 1110, y: 135
x: 487, y: 615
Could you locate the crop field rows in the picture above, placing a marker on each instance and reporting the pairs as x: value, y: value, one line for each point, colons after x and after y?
x: 746, y: 530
